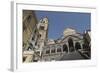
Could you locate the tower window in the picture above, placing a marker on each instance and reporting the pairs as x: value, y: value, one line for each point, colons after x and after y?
x: 41, y: 27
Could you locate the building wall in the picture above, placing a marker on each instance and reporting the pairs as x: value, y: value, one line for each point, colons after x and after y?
x: 42, y: 32
x: 54, y: 51
x: 29, y: 23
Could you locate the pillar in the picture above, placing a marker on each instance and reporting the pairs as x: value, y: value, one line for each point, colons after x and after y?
x: 68, y: 47
x: 74, y: 42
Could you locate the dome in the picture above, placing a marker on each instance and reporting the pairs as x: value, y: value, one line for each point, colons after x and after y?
x: 50, y: 41
x: 69, y: 31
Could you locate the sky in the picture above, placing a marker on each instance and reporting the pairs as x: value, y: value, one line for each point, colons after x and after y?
x: 58, y: 21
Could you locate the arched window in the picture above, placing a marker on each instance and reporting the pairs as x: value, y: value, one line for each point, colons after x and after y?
x: 59, y: 50
x: 65, y: 48
x: 77, y: 46
x: 53, y: 51
x: 47, y: 51
x: 71, y: 46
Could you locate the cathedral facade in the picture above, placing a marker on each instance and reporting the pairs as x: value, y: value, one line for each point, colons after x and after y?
x: 70, y: 42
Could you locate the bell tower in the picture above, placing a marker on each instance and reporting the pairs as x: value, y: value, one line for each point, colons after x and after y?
x: 43, y: 31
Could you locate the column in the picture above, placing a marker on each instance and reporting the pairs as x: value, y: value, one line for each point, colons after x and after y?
x: 61, y: 48
x: 68, y: 47
x: 81, y: 44
x: 74, y: 45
